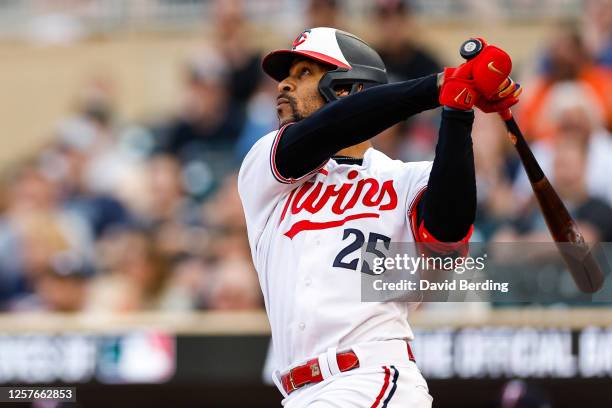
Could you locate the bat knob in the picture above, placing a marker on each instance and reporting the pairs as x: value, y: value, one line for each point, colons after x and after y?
x: 470, y: 48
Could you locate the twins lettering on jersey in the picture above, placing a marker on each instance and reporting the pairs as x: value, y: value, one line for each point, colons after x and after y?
x: 337, y: 200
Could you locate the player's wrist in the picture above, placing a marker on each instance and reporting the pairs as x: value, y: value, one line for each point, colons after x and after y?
x: 449, y: 109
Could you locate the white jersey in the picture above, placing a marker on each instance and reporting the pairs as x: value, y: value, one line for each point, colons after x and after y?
x: 306, y: 237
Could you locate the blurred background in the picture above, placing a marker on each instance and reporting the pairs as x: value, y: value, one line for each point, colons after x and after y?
x: 124, y: 264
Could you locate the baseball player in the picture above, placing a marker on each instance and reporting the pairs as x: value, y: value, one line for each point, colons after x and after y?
x: 315, y: 191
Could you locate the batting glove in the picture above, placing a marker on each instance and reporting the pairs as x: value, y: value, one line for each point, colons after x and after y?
x: 458, y: 90
x: 506, y: 97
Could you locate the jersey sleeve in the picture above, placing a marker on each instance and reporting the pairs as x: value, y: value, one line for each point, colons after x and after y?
x: 261, y: 186
x: 427, y: 242
x: 418, y: 176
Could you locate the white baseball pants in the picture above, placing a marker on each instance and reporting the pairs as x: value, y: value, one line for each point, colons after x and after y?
x: 386, y: 378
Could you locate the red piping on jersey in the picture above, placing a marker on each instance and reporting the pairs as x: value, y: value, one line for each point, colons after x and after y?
x: 275, y: 171
x: 422, y: 235
x: 412, y: 212
x: 306, y: 225
x: 384, y: 387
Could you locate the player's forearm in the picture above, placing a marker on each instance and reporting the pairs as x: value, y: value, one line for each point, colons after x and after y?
x: 351, y: 120
x: 448, y: 207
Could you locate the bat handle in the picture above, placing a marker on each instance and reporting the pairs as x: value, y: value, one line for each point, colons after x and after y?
x: 533, y: 169
x: 506, y: 115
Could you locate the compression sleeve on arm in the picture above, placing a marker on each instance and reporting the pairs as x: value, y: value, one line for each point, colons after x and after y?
x: 304, y: 145
x: 447, y: 208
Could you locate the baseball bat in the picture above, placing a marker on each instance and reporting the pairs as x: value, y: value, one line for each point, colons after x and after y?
x: 565, y: 232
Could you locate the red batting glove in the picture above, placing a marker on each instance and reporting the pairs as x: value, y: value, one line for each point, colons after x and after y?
x: 484, y: 77
x: 490, y: 70
x: 458, y: 89
x: 505, y: 98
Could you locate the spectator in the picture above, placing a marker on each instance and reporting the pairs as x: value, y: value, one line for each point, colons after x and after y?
x: 598, y: 30
x: 234, y: 43
x: 164, y: 196
x: 33, y: 228
x: 235, y: 287
x: 566, y: 59
x: 223, y: 216
x: 101, y: 210
x: 138, y: 277
x: 207, y: 119
x: 404, y: 58
x: 162, y: 204
x: 572, y: 110
x: 496, y: 167
x: 60, y: 287
x: 593, y: 215
x: 91, y: 133
x: 323, y: 13
x: 260, y: 117
x: 86, y: 160
x: 204, y: 132
x: 234, y: 283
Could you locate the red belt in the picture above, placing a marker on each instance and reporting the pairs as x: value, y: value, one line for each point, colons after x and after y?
x: 310, y: 372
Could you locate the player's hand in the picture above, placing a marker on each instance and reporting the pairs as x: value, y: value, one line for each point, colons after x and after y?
x: 485, y: 76
x: 490, y: 70
x: 458, y: 90
x: 507, y: 97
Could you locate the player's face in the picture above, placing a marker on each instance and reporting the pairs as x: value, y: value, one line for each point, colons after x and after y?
x: 298, y: 94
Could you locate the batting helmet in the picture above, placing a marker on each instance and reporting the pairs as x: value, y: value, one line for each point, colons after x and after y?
x: 355, y: 62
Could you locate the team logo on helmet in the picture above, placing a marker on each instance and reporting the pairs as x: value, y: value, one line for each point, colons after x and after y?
x: 300, y: 38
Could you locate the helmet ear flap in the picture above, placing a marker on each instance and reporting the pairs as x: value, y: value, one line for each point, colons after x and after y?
x: 326, y: 88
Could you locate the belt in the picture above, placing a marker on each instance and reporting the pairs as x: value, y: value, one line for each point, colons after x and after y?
x: 310, y: 372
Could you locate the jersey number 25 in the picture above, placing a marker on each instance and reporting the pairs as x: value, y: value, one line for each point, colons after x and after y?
x: 359, y: 239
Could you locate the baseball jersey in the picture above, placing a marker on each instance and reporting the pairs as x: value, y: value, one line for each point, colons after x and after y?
x: 306, y: 236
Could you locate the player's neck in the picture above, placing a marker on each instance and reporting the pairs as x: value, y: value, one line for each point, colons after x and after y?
x: 356, y: 151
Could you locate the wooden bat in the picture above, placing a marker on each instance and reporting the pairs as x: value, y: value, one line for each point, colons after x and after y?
x: 564, y: 230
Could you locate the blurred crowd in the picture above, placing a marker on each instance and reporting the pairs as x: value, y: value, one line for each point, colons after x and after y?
x: 116, y: 217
